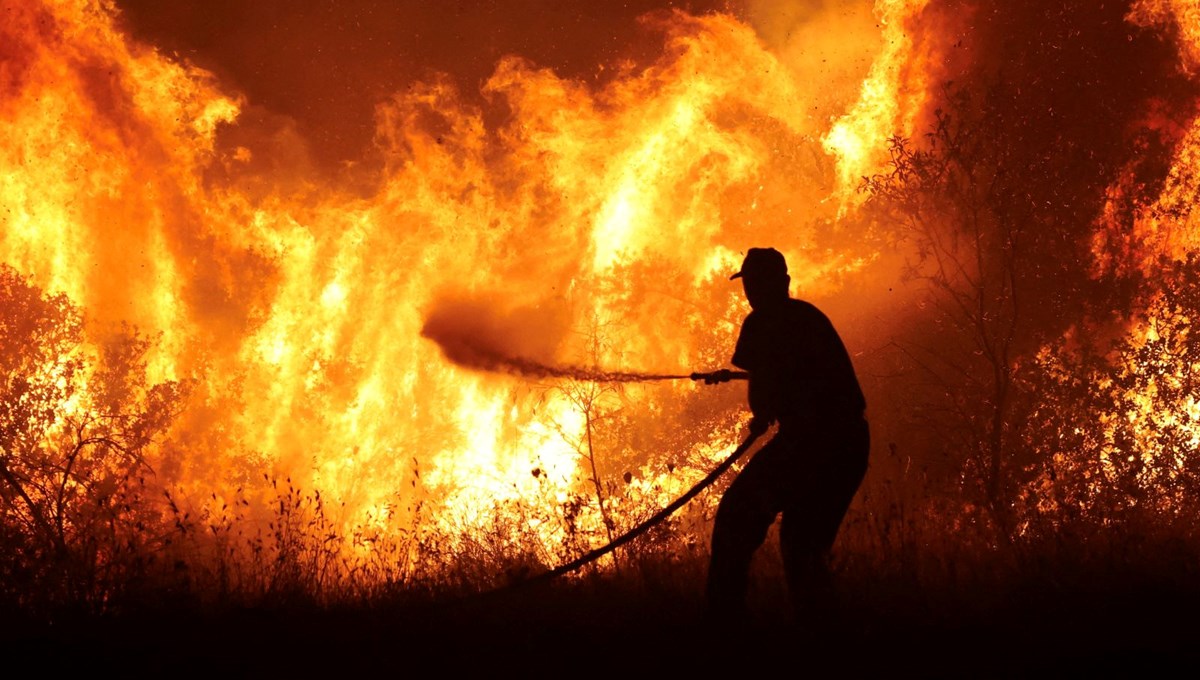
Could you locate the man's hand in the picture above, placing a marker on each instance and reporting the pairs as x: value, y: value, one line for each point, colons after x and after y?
x: 721, y: 376
x: 759, y: 425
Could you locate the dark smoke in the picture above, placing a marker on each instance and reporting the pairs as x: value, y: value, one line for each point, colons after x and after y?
x: 1055, y: 98
x: 520, y: 342
x: 326, y: 65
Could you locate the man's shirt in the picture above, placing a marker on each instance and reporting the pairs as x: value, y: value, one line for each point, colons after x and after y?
x: 800, y: 370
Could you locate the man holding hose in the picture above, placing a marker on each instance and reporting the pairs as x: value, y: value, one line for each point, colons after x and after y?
x: 801, y: 377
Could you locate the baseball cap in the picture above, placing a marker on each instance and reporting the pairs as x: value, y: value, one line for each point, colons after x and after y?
x: 762, y: 262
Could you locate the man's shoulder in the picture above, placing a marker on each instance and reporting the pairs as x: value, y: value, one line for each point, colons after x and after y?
x: 805, y: 312
x: 795, y: 314
x: 803, y: 306
x: 754, y: 317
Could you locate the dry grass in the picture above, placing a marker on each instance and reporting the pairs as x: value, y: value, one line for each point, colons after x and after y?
x: 915, y: 597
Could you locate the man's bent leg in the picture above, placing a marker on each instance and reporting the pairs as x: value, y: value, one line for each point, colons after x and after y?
x: 744, y: 516
x: 810, y: 584
x: 812, y: 519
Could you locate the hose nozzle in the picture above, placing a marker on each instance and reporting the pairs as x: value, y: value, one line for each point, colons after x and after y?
x: 720, y: 376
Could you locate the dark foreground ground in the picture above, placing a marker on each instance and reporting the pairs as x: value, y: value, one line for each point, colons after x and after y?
x: 603, y: 630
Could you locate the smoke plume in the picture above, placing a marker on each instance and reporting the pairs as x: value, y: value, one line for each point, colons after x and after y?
x: 521, y: 341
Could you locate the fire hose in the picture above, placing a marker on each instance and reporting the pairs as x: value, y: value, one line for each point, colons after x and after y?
x: 722, y: 375
x: 650, y: 523
x: 587, y: 558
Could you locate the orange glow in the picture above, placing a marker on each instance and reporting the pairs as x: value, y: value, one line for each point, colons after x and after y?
x: 1183, y: 15
x: 1159, y: 422
x: 606, y: 218
x: 891, y: 98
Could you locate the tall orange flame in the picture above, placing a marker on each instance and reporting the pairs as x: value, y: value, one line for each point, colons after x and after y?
x: 602, y: 220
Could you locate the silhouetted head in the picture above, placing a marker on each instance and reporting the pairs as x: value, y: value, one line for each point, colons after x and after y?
x: 764, y: 277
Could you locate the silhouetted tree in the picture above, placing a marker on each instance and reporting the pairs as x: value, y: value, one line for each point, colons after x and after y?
x: 963, y: 210
x: 75, y: 423
x: 597, y: 403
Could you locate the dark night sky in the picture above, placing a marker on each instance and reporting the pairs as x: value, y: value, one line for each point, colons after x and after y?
x: 325, y: 64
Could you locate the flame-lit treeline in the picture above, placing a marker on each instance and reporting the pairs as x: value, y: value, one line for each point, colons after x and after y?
x: 1133, y: 438
x: 593, y: 223
x: 1150, y: 428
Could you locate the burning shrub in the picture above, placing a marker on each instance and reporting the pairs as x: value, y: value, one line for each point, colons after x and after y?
x: 1119, y: 423
x: 74, y: 428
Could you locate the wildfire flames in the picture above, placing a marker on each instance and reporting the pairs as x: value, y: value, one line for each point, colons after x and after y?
x: 282, y: 323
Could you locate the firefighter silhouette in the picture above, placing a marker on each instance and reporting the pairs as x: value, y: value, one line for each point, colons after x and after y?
x: 801, y: 377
